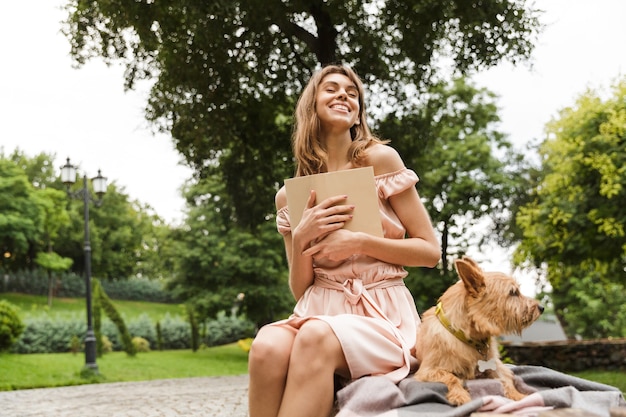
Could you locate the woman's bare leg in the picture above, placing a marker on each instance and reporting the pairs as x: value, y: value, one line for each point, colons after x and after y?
x: 268, y: 362
x: 316, y: 356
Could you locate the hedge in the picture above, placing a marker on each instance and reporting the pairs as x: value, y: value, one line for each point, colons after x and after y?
x: 72, y: 286
x: 48, y: 334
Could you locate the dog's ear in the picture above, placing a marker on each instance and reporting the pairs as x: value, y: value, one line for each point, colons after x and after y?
x: 471, y: 261
x: 471, y: 275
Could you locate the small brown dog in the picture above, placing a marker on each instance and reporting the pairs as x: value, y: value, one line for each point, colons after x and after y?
x: 457, y: 339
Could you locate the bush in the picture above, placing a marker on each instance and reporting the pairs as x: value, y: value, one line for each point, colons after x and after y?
x: 225, y: 330
x: 175, y: 332
x: 68, y: 284
x: 53, y: 334
x: 141, y: 344
x: 143, y: 327
x: 107, y: 346
x: 75, y: 345
x: 47, y: 335
x: 11, y: 326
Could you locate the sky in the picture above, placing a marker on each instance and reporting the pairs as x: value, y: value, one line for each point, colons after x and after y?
x: 47, y: 105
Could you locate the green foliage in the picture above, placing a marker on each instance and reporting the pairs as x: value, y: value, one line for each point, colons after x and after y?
x: 573, y: 224
x: 143, y: 327
x: 20, y: 215
x: 427, y: 285
x: 45, y: 334
x: 52, y: 261
x: 225, y: 329
x: 195, y: 330
x: 467, y: 168
x: 140, y: 344
x: 226, y: 77
x: 175, y: 332
x: 159, y: 336
x: 35, y: 281
x: 40, y: 217
x: 117, y: 229
x: 209, y: 58
x: 75, y: 345
x: 48, y: 331
x: 11, y: 326
x: 106, y: 304
x: 217, y: 259
x: 107, y: 346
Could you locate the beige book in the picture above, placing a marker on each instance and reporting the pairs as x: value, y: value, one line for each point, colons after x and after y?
x: 358, y: 184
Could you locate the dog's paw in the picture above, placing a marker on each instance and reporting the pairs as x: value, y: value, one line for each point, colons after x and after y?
x: 514, y: 395
x: 458, y: 396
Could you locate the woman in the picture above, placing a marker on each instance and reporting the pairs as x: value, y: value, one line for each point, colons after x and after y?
x: 354, y: 316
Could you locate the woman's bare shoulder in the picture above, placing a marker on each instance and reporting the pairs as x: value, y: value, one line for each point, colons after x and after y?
x: 383, y: 158
x: 280, y: 200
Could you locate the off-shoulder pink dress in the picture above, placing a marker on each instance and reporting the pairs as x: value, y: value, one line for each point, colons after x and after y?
x: 365, y: 300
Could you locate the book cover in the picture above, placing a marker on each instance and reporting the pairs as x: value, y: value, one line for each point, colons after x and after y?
x: 358, y: 184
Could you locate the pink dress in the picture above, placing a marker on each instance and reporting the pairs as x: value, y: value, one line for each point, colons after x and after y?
x: 365, y: 300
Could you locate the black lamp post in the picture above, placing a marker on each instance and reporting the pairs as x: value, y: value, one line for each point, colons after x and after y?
x: 68, y: 176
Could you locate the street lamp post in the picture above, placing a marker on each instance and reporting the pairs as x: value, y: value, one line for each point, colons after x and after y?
x: 68, y: 176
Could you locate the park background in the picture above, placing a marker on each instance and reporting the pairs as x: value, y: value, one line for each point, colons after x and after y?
x: 85, y: 113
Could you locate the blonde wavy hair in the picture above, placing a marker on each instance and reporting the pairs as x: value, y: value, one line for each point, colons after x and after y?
x: 311, y: 157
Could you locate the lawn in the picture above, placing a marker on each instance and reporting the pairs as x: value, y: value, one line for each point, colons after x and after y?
x: 37, y: 305
x: 63, y: 369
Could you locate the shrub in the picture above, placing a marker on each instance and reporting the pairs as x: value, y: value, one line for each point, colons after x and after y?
x: 107, y: 346
x: 104, y: 303
x: 142, y: 326
x: 46, y: 334
x: 141, y: 344
x: 68, y: 284
x: 159, y: 336
x: 11, y: 326
x: 226, y: 329
x: 176, y: 333
x: 75, y: 345
x: 54, y: 334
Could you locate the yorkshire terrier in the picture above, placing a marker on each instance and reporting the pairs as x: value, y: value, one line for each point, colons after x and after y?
x: 457, y: 339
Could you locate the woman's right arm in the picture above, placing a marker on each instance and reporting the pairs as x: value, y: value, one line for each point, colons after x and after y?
x: 316, y: 222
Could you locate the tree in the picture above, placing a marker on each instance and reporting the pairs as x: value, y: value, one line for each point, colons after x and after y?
x: 127, y: 238
x: 52, y: 203
x: 212, y: 62
x: 20, y: 215
x: 122, y: 236
x: 466, y: 166
x: 226, y: 75
x: 217, y: 259
x: 573, y: 227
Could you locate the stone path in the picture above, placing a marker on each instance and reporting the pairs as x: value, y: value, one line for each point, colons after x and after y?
x: 189, y: 397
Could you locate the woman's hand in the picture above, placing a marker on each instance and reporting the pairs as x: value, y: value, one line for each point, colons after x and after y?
x: 336, y: 246
x: 319, y: 220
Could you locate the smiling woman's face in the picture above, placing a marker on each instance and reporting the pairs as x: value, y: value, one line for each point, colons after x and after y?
x: 337, y: 102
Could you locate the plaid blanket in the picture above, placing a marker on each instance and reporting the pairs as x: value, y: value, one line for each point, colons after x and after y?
x: 547, y: 389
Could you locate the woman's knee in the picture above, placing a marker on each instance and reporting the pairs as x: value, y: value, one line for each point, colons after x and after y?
x: 270, y: 349
x: 316, y: 337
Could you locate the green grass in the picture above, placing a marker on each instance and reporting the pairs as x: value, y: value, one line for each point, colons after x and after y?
x: 37, y: 305
x: 614, y: 378
x: 63, y: 369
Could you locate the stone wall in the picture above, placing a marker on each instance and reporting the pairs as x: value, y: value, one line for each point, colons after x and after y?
x: 569, y: 355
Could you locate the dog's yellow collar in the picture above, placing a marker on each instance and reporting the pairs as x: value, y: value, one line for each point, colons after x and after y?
x: 482, y: 346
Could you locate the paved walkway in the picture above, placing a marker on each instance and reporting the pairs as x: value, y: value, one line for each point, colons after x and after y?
x: 189, y: 397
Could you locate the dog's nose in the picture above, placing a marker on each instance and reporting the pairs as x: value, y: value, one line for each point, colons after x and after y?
x: 541, y: 308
